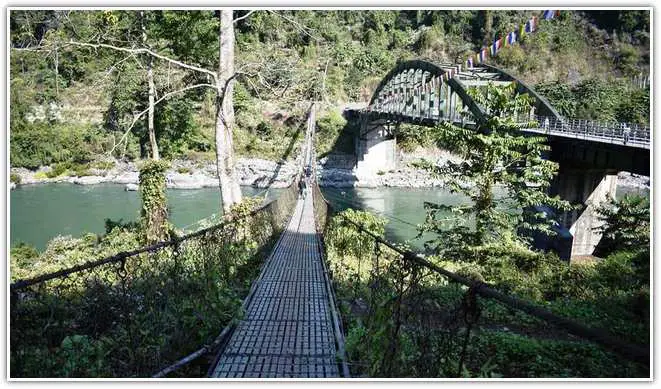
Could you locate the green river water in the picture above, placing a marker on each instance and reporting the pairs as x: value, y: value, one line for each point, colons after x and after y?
x: 40, y: 212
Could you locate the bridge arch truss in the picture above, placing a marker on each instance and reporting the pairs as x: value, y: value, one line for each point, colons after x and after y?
x: 423, y: 92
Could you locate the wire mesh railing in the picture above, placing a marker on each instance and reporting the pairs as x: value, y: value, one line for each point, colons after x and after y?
x: 131, y: 314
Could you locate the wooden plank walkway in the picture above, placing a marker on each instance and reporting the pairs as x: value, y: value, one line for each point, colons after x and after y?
x: 287, y: 330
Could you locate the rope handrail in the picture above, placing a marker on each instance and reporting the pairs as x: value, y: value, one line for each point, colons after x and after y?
x: 123, y: 255
x: 634, y: 352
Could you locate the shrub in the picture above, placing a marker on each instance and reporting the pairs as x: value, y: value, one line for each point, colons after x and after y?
x: 15, y: 178
x: 80, y: 170
x: 103, y: 165
x: 22, y: 254
x: 411, y: 136
x: 513, y: 57
x: 183, y: 170
x: 110, y: 225
x: 627, y: 224
x: 330, y: 133
x: 58, y: 169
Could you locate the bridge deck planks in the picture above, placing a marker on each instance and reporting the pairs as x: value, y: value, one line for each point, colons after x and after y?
x: 287, y: 330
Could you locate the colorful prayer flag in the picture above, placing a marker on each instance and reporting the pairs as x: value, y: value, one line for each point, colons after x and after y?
x: 483, y: 55
x: 511, y: 38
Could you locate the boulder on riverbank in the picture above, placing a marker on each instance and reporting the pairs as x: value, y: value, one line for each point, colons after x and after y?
x: 131, y: 187
x: 632, y: 180
x: 125, y: 178
x: 190, y: 181
x: 89, y: 180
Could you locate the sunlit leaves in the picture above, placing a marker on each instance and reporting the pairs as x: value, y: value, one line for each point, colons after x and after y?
x: 501, y: 157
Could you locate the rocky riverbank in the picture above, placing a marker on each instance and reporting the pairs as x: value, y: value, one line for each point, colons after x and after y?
x: 335, y: 170
x: 182, y: 174
x: 408, y: 177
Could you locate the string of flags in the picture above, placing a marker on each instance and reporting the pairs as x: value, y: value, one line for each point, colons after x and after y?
x: 511, y: 38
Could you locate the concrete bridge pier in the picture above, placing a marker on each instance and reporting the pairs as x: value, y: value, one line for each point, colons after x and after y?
x: 589, y: 188
x: 376, y: 147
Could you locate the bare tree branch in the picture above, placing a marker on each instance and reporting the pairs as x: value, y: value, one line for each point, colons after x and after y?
x: 142, y: 50
x: 323, y: 83
x: 244, y: 16
x: 165, y: 96
x: 300, y: 27
x: 37, y: 48
x: 110, y: 70
x: 133, y: 51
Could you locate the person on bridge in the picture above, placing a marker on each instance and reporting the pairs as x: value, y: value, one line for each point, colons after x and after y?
x: 302, y: 186
x: 626, y: 132
x: 546, y: 124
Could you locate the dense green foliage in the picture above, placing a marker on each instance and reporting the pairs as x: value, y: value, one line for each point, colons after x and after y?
x: 497, y: 155
x: 334, y: 134
x: 574, y: 46
x: 601, y: 100
x: 71, y: 103
x: 403, y: 322
x: 627, y: 225
x: 134, y: 317
x: 15, y: 178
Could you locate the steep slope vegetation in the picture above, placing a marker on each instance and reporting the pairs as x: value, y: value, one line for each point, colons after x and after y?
x: 70, y: 104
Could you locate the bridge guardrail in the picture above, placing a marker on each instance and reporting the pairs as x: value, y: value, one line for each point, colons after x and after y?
x: 160, y: 300
x: 627, y: 134
x: 619, y: 133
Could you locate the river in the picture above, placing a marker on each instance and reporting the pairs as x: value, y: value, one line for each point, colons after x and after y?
x: 40, y: 212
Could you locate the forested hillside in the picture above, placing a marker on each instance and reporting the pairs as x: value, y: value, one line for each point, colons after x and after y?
x: 71, y: 102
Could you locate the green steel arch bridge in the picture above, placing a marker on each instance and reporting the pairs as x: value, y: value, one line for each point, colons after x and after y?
x: 590, y: 154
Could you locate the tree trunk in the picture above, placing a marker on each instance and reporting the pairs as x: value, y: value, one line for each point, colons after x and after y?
x: 229, y: 184
x: 150, y: 120
x: 488, y: 27
x: 150, y: 79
